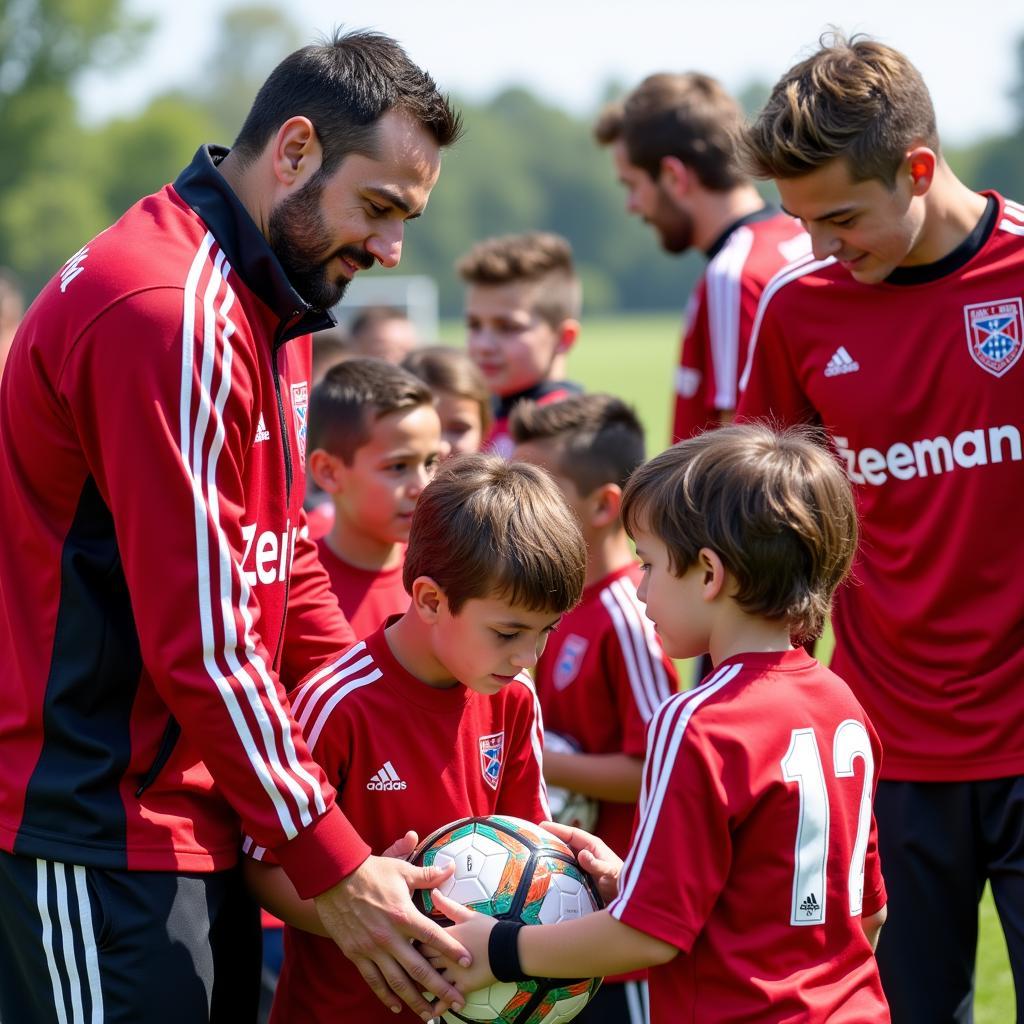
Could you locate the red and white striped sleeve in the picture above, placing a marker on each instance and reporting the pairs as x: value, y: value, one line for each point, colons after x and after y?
x: 637, y: 667
x: 165, y: 427
x: 682, y: 807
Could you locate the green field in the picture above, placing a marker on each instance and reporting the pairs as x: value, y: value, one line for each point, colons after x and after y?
x: 635, y: 357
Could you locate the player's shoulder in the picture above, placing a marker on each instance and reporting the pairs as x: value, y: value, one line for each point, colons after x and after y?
x: 336, y: 690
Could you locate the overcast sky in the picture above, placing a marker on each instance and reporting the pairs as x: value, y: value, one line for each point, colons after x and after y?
x: 567, y: 50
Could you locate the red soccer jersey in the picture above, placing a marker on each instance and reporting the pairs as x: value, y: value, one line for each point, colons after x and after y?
x: 755, y: 853
x: 919, y: 381
x: 367, y: 598
x: 404, y: 755
x: 601, y: 678
x: 721, y: 312
x: 546, y: 391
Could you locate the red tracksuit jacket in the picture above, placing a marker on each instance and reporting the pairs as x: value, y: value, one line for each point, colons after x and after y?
x: 157, y: 597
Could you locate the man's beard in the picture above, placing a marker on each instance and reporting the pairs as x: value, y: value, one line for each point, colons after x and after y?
x: 674, y: 226
x: 301, y: 243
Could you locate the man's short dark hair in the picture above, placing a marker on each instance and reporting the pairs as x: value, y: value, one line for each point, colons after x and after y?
x: 345, y: 86
x: 352, y: 396
x: 689, y: 116
x: 599, y: 439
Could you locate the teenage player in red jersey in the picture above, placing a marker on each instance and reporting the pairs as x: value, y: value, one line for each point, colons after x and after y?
x: 374, y: 444
x: 435, y: 717
x: 156, y: 589
x: 903, y: 335
x: 672, y: 143
x: 522, y: 317
x: 752, y: 889
x: 604, y: 674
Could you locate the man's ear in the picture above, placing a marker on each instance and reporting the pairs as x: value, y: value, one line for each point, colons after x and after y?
x: 568, y: 332
x: 327, y: 470
x: 714, y: 574
x: 428, y: 599
x: 920, y: 164
x: 296, y: 154
x: 675, y: 177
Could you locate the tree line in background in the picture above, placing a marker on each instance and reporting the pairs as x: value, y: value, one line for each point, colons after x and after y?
x: 523, y: 163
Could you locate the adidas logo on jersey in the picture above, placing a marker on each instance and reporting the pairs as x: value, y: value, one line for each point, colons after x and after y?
x: 386, y: 779
x: 262, y: 434
x: 840, y: 363
x: 810, y: 906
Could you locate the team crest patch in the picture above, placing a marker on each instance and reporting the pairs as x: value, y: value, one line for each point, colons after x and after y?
x: 995, y: 337
x: 300, y: 406
x: 570, y: 657
x: 491, y: 749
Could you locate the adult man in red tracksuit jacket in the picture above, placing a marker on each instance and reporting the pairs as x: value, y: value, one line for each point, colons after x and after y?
x: 157, y: 592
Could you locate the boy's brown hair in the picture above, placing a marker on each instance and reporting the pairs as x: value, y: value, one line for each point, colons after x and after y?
x: 598, y: 438
x: 774, y: 506
x: 484, y: 527
x: 857, y: 99
x: 353, y: 395
x: 689, y: 116
x: 447, y: 369
x: 537, y: 257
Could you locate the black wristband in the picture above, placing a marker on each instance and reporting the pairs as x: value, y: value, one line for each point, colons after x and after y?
x: 503, y: 951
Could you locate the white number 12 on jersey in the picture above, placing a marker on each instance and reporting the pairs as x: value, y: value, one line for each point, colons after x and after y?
x: 802, y: 765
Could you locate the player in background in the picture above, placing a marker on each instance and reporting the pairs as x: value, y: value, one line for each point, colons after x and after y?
x: 157, y: 593
x: 903, y: 335
x: 672, y: 143
x: 603, y: 674
x: 382, y: 332
x: 460, y: 395
x: 752, y: 889
x: 523, y: 302
x: 434, y: 716
x: 374, y: 443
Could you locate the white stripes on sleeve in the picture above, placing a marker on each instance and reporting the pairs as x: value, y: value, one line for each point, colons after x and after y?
x: 663, y: 742
x: 641, y: 651
x: 260, y: 721
x: 724, y: 278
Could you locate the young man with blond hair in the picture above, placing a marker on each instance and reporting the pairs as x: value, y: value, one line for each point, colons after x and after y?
x: 672, y: 140
x: 523, y: 301
x: 902, y: 334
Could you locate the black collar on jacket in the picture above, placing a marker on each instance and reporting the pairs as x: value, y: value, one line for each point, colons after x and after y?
x: 205, y: 189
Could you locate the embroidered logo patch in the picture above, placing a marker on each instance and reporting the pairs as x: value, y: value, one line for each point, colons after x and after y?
x: 994, y: 334
x: 491, y: 749
x: 300, y: 406
x: 570, y: 657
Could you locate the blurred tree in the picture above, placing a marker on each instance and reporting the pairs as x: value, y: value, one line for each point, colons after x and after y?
x: 47, y: 207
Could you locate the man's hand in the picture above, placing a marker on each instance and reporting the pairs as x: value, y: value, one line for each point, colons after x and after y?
x: 371, y: 917
x: 596, y: 858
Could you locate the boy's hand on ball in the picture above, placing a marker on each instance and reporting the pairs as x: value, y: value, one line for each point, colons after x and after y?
x: 472, y: 931
x: 598, y: 859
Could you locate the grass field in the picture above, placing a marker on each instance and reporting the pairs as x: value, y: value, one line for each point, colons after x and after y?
x: 634, y: 357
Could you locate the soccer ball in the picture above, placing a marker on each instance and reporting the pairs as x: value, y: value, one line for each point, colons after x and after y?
x: 510, y: 869
x: 567, y: 807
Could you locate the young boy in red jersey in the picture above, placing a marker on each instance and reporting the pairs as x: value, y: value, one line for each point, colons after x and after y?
x: 903, y: 334
x: 374, y: 443
x: 752, y: 889
x: 604, y: 674
x: 433, y: 717
x: 523, y: 302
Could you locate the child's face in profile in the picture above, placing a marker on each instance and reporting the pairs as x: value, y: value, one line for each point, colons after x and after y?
x: 509, y: 343
x: 377, y: 494
x: 674, y: 603
x: 462, y: 425
x: 490, y: 641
